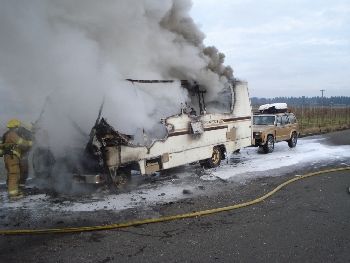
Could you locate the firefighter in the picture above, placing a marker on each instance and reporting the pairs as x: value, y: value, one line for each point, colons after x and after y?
x: 17, y: 143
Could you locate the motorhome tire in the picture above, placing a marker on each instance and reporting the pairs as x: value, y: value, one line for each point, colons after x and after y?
x: 269, y: 146
x: 215, y: 159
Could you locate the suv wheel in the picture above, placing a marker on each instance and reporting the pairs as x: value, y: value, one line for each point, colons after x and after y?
x: 269, y: 146
x: 292, y: 142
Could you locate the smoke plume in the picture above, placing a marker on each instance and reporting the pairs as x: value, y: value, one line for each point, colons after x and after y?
x: 77, y: 52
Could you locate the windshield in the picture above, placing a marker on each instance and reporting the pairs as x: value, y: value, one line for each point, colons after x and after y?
x: 264, y: 120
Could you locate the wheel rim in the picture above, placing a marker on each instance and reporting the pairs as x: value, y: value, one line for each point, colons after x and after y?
x: 216, y: 156
x: 294, y: 139
x: 270, y: 144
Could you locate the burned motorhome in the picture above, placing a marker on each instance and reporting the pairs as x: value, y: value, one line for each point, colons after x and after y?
x: 194, y: 134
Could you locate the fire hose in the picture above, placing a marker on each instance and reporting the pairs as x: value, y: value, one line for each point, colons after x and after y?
x: 167, y: 218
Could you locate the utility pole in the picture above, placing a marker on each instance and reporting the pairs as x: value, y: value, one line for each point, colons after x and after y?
x: 322, y: 90
x: 322, y: 117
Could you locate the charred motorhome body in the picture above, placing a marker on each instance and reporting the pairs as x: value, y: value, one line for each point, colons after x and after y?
x: 191, y: 137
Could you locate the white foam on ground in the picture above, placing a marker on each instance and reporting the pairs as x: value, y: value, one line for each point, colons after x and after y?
x: 146, y: 198
x: 28, y: 202
x: 137, y: 198
x: 247, y: 165
x: 308, y: 151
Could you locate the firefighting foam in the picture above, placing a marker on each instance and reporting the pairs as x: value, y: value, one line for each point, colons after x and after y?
x: 66, y: 56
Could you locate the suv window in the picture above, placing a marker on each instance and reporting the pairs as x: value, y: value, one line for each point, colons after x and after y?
x: 264, y: 120
x: 279, y: 120
x: 285, y: 120
x: 292, y: 119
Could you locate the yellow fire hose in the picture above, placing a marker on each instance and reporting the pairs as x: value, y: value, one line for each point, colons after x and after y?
x: 165, y: 218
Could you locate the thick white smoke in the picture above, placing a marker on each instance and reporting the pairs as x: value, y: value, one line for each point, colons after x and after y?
x: 77, y: 52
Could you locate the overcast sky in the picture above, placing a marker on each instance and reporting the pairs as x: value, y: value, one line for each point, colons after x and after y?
x: 282, y: 48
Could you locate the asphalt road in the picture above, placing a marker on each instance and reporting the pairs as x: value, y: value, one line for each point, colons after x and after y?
x: 306, y: 222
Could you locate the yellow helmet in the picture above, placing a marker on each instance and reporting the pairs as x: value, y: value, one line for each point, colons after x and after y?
x: 13, y: 123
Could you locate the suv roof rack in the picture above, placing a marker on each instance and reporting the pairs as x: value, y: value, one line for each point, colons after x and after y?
x: 273, y: 108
